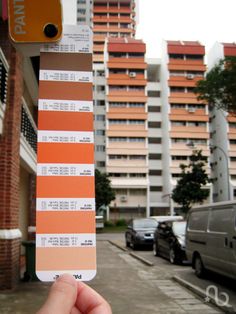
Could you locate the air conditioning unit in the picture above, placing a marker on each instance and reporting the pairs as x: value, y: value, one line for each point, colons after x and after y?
x: 123, y: 198
x: 190, y: 76
x: 132, y: 74
x: 192, y: 110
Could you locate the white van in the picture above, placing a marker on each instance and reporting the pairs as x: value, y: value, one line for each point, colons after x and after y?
x: 211, y: 238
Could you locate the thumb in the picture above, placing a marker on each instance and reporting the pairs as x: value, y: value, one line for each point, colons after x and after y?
x: 62, y: 296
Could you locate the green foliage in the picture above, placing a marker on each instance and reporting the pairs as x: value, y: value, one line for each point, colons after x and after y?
x: 109, y: 223
x: 218, y: 88
x: 103, y: 192
x: 121, y: 222
x: 193, y: 178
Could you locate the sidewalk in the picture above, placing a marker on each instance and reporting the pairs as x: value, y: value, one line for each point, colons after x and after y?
x: 128, y: 285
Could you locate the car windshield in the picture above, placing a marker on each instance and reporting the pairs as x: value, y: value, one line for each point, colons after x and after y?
x: 179, y: 227
x: 145, y: 223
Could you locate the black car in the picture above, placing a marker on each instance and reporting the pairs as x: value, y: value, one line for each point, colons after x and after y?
x: 169, y: 241
x: 140, y: 232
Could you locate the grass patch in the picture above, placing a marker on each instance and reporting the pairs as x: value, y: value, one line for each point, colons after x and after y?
x: 113, y: 229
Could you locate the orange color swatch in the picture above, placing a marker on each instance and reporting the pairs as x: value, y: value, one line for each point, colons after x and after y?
x: 65, y: 222
x: 49, y: 187
x: 65, y: 153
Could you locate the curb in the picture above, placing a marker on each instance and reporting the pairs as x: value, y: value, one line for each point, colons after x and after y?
x: 117, y: 245
x: 141, y: 259
x: 200, y: 292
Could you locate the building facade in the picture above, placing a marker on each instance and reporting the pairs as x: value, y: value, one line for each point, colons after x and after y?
x: 18, y: 137
x: 222, y: 137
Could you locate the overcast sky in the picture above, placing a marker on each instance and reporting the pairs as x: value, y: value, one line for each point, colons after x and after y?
x: 207, y: 21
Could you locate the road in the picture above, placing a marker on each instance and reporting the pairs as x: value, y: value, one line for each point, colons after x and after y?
x: 137, y: 288
x: 224, y: 288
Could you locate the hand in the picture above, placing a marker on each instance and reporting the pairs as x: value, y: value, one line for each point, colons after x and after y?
x: 67, y: 296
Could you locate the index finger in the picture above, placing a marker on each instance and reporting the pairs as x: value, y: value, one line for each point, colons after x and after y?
x: 90, y: 302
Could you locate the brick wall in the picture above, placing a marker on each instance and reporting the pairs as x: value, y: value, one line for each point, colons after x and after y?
x: 10, y: 165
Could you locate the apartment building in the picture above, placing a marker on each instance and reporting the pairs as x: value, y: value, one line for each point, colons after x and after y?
x: 114, y: 18
x: 185, y: 123
x: 18, y: 138
x: 84, y: 12
x: 126, y: 125
x: 222, y: 137
x: 159, y: 201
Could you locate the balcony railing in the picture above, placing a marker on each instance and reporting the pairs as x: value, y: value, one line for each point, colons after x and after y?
x: 28, y: 127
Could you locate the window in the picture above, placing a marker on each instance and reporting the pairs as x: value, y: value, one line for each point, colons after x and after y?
x: 232, y: 125
x: 178, y: 106
x: 117, y: 139
x: 101, y: 164
x: 137, y: 157
x: 100, y: 148
x: 176, y: 89
x: 196, y: 123
x: 154, y: 125
x: 155, y: 172
x: 132, y: 105
x: 198, y: 220
x: 135, y: 192
x: 100, y: 88
x: 82, y: 11
x: 136, y: 121
x: 176, y: 56
x: 220, y: 220
x: 179, y: 157
x: 194, y: 57
x: 118, y: 104
x: 137, y: 175
x: 117, y: 121
x: 100, y: 102
x: 123, y: 157
x: 155, y: 188
x: 100, y: 117
x: 154, y: 109
x: 154, y: 156
x: 232, y: 142
x: 153, y: 93
x: 154, y: 140
x: 81, y: 19
x: 178, y: 123
x: 100, y: 132
x: 117, y: 175
x: 136, y: 139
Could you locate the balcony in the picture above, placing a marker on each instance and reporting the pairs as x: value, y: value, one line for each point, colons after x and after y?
x: 3, y: 87
x: 28, y: 140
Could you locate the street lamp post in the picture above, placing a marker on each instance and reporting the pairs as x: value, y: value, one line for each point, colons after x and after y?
x: 227, y: 166
x: 212, y: 147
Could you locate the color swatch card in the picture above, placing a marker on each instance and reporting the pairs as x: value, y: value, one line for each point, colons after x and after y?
x: 65, y: 210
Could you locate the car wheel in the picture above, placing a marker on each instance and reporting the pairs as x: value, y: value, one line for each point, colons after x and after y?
x: 199, y: 267
x: 127, y: 243
x: 155, y: 249
x: 172, y: 256
x: 133, y: 245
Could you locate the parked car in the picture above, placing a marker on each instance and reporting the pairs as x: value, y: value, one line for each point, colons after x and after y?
x: 166, y: 218
x: 169, y: 241
x: 211, y: 238
x: 140, y: 232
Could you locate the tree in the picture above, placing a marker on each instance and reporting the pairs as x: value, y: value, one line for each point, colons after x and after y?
x: 218, y: 88
x: 103, y: 192
x: 193, y: 178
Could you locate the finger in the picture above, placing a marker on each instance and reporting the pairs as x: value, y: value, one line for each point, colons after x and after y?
x: 90, y: 302
x: 75, y: 311
x: 62, y: 296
